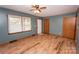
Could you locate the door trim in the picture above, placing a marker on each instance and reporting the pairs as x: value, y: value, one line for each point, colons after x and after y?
x: 49, y: 25
x: 37, y: 25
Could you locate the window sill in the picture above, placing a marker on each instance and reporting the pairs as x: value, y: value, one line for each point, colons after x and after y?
x: 19, y: 32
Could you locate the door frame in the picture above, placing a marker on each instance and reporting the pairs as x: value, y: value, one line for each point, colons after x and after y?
x: 37, y: 25
x: 49, y: 24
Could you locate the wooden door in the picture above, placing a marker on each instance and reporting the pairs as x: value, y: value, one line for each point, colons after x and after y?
x: 46, y: 25
x: 69, y: 27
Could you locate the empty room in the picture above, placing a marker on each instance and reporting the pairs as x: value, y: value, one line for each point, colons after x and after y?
x: 39, y: 29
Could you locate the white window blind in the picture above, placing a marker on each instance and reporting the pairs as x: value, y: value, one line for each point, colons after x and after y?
x: 26, y: 23
x: 14, y: 23
x: 18, y: 23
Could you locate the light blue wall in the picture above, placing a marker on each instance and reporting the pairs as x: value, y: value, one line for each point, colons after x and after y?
x: 42, y: 24
x: 4, y: 37
x: 56, y: 23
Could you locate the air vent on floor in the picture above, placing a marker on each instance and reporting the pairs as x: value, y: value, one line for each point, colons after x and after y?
x: 13, y: 41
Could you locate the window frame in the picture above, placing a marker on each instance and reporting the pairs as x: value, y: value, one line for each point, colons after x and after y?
x: 30, y: 24
x: 21, y: 25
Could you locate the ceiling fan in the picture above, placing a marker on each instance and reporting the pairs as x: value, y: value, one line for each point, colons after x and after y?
x: 37, y: 9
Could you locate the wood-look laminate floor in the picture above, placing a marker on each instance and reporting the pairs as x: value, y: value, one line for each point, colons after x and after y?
x: 40, y: 44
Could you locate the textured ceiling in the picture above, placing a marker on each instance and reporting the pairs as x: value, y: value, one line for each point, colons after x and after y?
x: 50, y: 11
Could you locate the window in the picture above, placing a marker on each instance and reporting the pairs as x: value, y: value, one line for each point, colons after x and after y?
x: 14, y: 24
x: 26, y: 23
x: 18, y: 23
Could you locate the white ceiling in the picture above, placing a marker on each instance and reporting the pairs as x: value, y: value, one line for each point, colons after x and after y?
x: 50, y: 11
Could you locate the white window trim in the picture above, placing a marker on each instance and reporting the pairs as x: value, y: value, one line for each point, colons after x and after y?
x: 21, y: 24
x: 30, y: 23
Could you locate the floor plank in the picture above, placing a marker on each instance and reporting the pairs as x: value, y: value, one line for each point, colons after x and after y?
x: 40, y: 44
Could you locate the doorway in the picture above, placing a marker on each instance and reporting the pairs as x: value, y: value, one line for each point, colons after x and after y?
x: 39, y: 26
